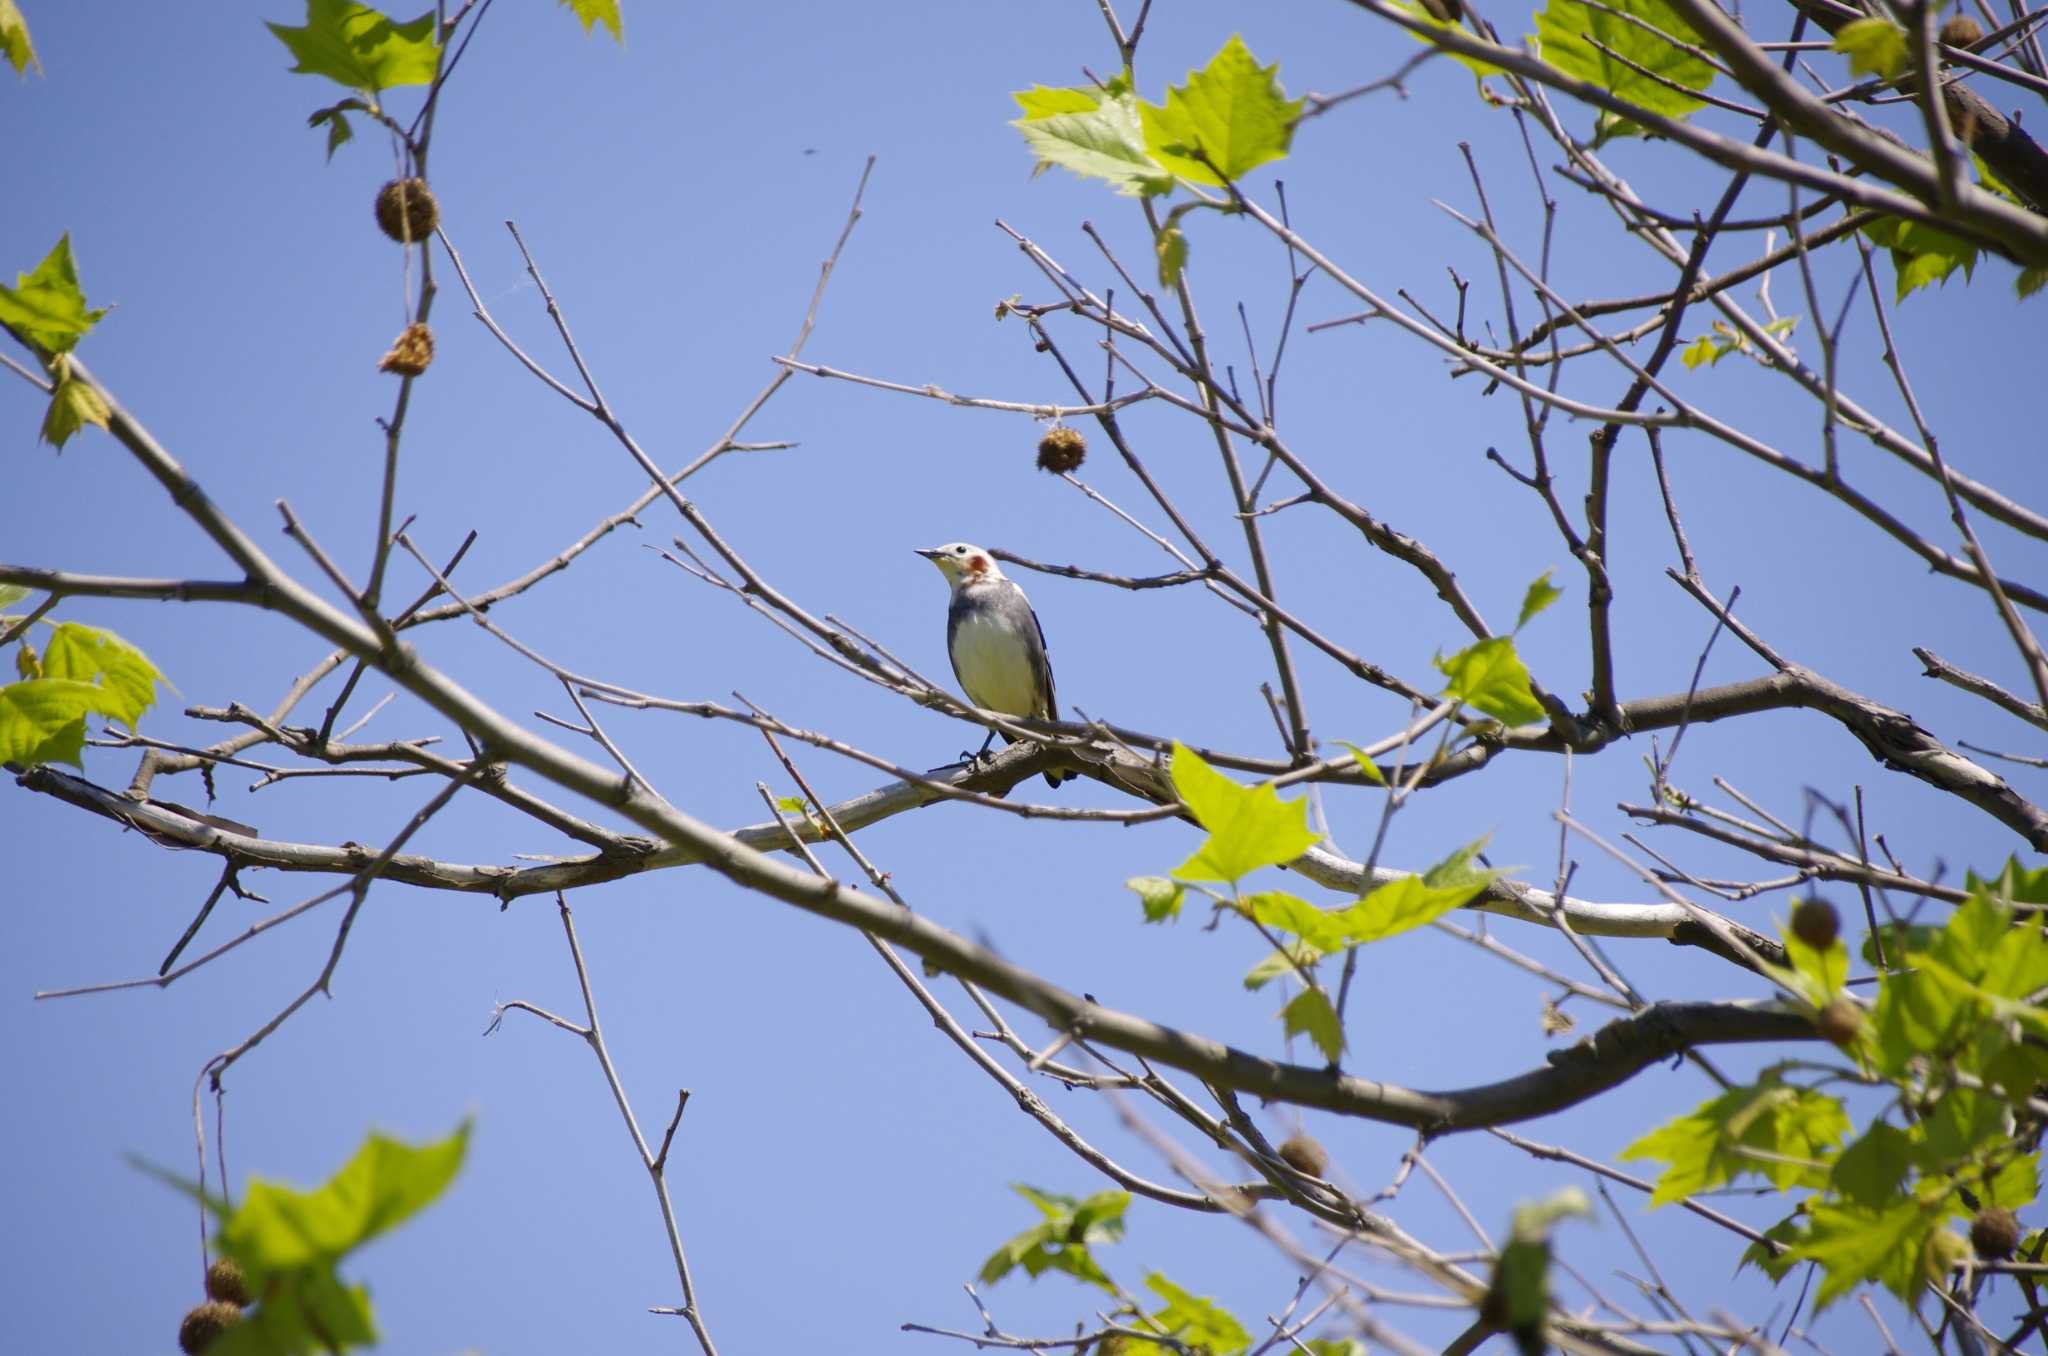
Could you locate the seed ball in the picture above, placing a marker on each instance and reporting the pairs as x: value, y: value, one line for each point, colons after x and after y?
x: 1061, y: 450
x: 1995, y: 1233
x: 224, y: 1281
x: 1961, y: 31
x: 1840, y: 1022
x: 1816, y: 923
x: 206, y: 1322
x: 410, y: 352
x: 406, y: 210
x: 1302, y: 1153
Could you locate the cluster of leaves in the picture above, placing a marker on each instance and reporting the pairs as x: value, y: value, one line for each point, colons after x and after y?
x: 1956, y: 1034
x: 81, y: 671
x: 1062, y: 1241
x: 290, y: 1244
x: 45, y: 312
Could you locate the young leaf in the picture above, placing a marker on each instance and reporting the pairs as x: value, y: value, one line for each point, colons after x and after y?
x: 10, y: 594
x: 1706, y: 1147
x: 1172, y: 249
x: 47, y: 307
x: 361, y: 48
x: 73, y: 405
x: 339, y: 131
x: 1104, y: 142
x: 1249, y: 826
x: 1291, y: 958
x: 1041, y: 101
x: 1197, y: 1322
x: 1473, y: 64
x: 89, y: 654
x: 1567, y: 31
x: 42, y: 720
x: 1061, y: 1241
x: 1921, y: 254
x: 1230, y: 118
x: 1541, y: 594
x: 1873, y: 46
x: 1518, y: 1298
x: 1488, y: 675
x: 1310, y: 1012
x: 1855, y: 1243
x: 278, y: 1228
x: 1160, y: 896
x: 1407, y: 903
x: 1367, y: 768
x: 605, y: 12
x: 21, y: 53
x: 1871, y: 1171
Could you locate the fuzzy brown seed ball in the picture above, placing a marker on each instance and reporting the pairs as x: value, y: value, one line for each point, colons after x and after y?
x: 1062, y: 449
x: 1961, y: 31
x: 1302, y: 1153
x: 406, y: 210
x: 1816, y: 923
x: 206, y: 1322
x: 1995, y: 1233
x: 410, y: 352
x: 1840, y: 1022
x: 224, y: 1281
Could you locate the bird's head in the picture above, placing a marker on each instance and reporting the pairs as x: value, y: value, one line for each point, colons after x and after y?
x: 962, y: 563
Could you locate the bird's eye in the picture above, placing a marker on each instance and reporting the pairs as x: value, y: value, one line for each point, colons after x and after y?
x: 959, y: 550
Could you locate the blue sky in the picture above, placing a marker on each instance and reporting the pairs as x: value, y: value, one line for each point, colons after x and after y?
x: 841, y: 1169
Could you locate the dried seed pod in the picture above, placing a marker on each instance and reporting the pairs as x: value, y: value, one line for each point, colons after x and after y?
x: 224, y: 1281
x: 1995, y: 1233
x: 1062, y: 449
x: 204, y: 1323
x: 406, y: 210
x: 1840, y: 1022
x: 1816, y: 923
x: 1305, y: 1155
x: 410, y: 352
x: 1961, y: 31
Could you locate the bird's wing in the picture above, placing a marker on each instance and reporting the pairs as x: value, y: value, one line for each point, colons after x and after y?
x: 1041, y: 662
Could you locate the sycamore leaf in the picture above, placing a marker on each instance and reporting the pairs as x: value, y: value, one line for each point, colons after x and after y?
x: 1198, y: 1323
x: 1103, y: 142
x: 1541, y: 594
x: 1567, y: 31
x: 73, y: 405
x: 1160, y: 896
x: 1367, y: 768
x: 1310, y: 1012
x: 1061, y: 1241
x: 14, y: 41
x: 1227, y: 120
x: 1249, y: 826
x: 1473, y: 64
x: 1292, y: 958
x: 1041, y: 101
x: 362, y: 48
x: 606, y: 12
x: 42, y: 720
x: 1921, y: 254
x: 47, y: 307
x: 1855, y: 1243
x: 1706, y: 1148
x: 1488, y: 675
x: 2030, y: 281
x: 339, y: 130
x: 1871, y: 1171
x: 88, y: 654
x: 1407, y: 903
x: 1873, y: 46
x: 277, y: 1228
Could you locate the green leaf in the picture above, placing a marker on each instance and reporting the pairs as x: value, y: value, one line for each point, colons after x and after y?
x: 1488, y: 675
x: 1921, y: 254
x: 73, y: 405
x: 2016, y: 1184
x: 1041, y: 101
x: 1855, y: 1243
x: 361, y: 48
x: 302, y: 1312
x: 1872, y: 1171
x: 47, y: 307
x: 1061, y: 1242
x: 1814, y: 975
x: 1408, y: 903
x: 1105, y: 142
x: 339, y: 131
x: 1195, y: 1320
x: 278, y: 1228
x: 2030, y: 281
x: 1291, y: 958
x: 606, y: 12
x: 1228, y: 119
x: 1541, y: 594
x: 1249, y: 826
x: 1518, y: 1298
x: 21, y: 53
x: 1473, y: 64
x: 42, y: 720
x: 1160, y: 896
x: 1566, y: 31
x: 1366, y: 766
x: 10, y: 594
x: 1705, y: 1148
x: 1770, y: 1261
x: 1319, y: 929
x: 1310, y: 1012
x: 88, y: 654
x: 1873, y: 46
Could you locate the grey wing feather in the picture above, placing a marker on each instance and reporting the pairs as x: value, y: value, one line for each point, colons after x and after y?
x: 1041, y: 665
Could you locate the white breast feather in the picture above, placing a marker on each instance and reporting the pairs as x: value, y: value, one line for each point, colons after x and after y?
x: 993, y: 661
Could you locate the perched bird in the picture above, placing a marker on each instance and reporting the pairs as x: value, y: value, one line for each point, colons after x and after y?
x: 994, y: 640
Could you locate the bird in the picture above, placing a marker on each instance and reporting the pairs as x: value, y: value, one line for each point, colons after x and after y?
x: 994, y: 640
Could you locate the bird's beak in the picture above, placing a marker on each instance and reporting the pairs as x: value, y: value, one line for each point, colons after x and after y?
x: 929, y: 552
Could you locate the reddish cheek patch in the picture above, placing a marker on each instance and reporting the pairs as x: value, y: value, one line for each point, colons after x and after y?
x: 977, y: 565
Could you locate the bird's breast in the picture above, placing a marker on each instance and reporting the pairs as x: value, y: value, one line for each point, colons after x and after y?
x: 992, y: 657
